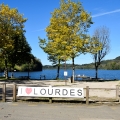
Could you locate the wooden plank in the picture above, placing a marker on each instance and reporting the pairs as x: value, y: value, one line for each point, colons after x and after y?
x: 4, y: 92
x: 87, y: 95
x: 14, y: 93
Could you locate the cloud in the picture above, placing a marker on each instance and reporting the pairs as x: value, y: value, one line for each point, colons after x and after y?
x: 38, y: 30
x: 106, y: 13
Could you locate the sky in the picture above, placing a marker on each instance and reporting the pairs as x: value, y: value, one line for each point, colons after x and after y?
x: 38, y: 12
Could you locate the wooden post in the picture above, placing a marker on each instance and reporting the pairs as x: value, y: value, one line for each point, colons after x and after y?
x: 4, y: 92
x: 14, y: 93
x: 117, y: 92
x: 87, y: 95
x: 50, y: 100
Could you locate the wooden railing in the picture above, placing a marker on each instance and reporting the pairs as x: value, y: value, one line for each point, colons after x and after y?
x: 14, y: 97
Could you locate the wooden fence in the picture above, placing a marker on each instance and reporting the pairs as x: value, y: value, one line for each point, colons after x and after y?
x: 3, y: 93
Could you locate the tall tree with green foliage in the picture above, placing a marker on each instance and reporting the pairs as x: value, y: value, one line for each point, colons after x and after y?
x: 11, y: 23
x: 21, y: 52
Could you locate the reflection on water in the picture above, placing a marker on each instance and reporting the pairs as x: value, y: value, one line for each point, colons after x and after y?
x: 51, y: 74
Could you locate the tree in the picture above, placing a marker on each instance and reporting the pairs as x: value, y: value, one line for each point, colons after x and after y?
x: 11, y: 23
x: 66, y: 38
x: 54, y: 58
x: 55, y: 61
x: 21, y: 51
x: 101, y: 35
x: 33, y: 64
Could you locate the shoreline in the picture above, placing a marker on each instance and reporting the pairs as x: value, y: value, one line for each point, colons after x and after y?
x: 93, y: 84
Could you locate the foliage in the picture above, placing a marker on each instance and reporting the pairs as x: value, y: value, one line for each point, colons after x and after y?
x: 34, y: 65
x: 11, y: 24
x: 21, y: 52
x: 67, y: 32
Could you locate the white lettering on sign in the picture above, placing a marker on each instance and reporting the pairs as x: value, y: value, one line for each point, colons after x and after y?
x: 50, y: 92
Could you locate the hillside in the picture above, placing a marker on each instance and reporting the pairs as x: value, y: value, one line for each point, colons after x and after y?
x: 113, y: 64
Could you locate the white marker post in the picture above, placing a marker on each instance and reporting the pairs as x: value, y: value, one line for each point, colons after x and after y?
x: 65, y: 74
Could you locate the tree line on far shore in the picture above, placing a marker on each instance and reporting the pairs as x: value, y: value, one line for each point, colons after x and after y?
x: 113, y: 64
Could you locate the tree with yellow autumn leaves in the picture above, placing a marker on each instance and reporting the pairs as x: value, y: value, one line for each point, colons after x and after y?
x: 66, y: 33
x: 11, y: 25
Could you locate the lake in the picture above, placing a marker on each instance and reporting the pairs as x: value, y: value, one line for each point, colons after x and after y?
x: 51, y: 74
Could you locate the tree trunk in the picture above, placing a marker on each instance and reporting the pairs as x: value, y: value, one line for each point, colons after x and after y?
x: 28, y: 71
x: 96, y: 74
x: 58, y: 70
x: 6, y: 70
x: 73, y: 67
x: 12, y: 73
x: 12, y: 70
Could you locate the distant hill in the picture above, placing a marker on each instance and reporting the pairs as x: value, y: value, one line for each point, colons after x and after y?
x: 113, y: 64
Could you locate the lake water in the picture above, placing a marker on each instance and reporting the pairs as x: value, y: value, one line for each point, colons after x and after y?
x: 51, y: 74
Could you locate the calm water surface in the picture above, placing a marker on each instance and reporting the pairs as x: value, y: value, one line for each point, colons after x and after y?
x: 51, y: 74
